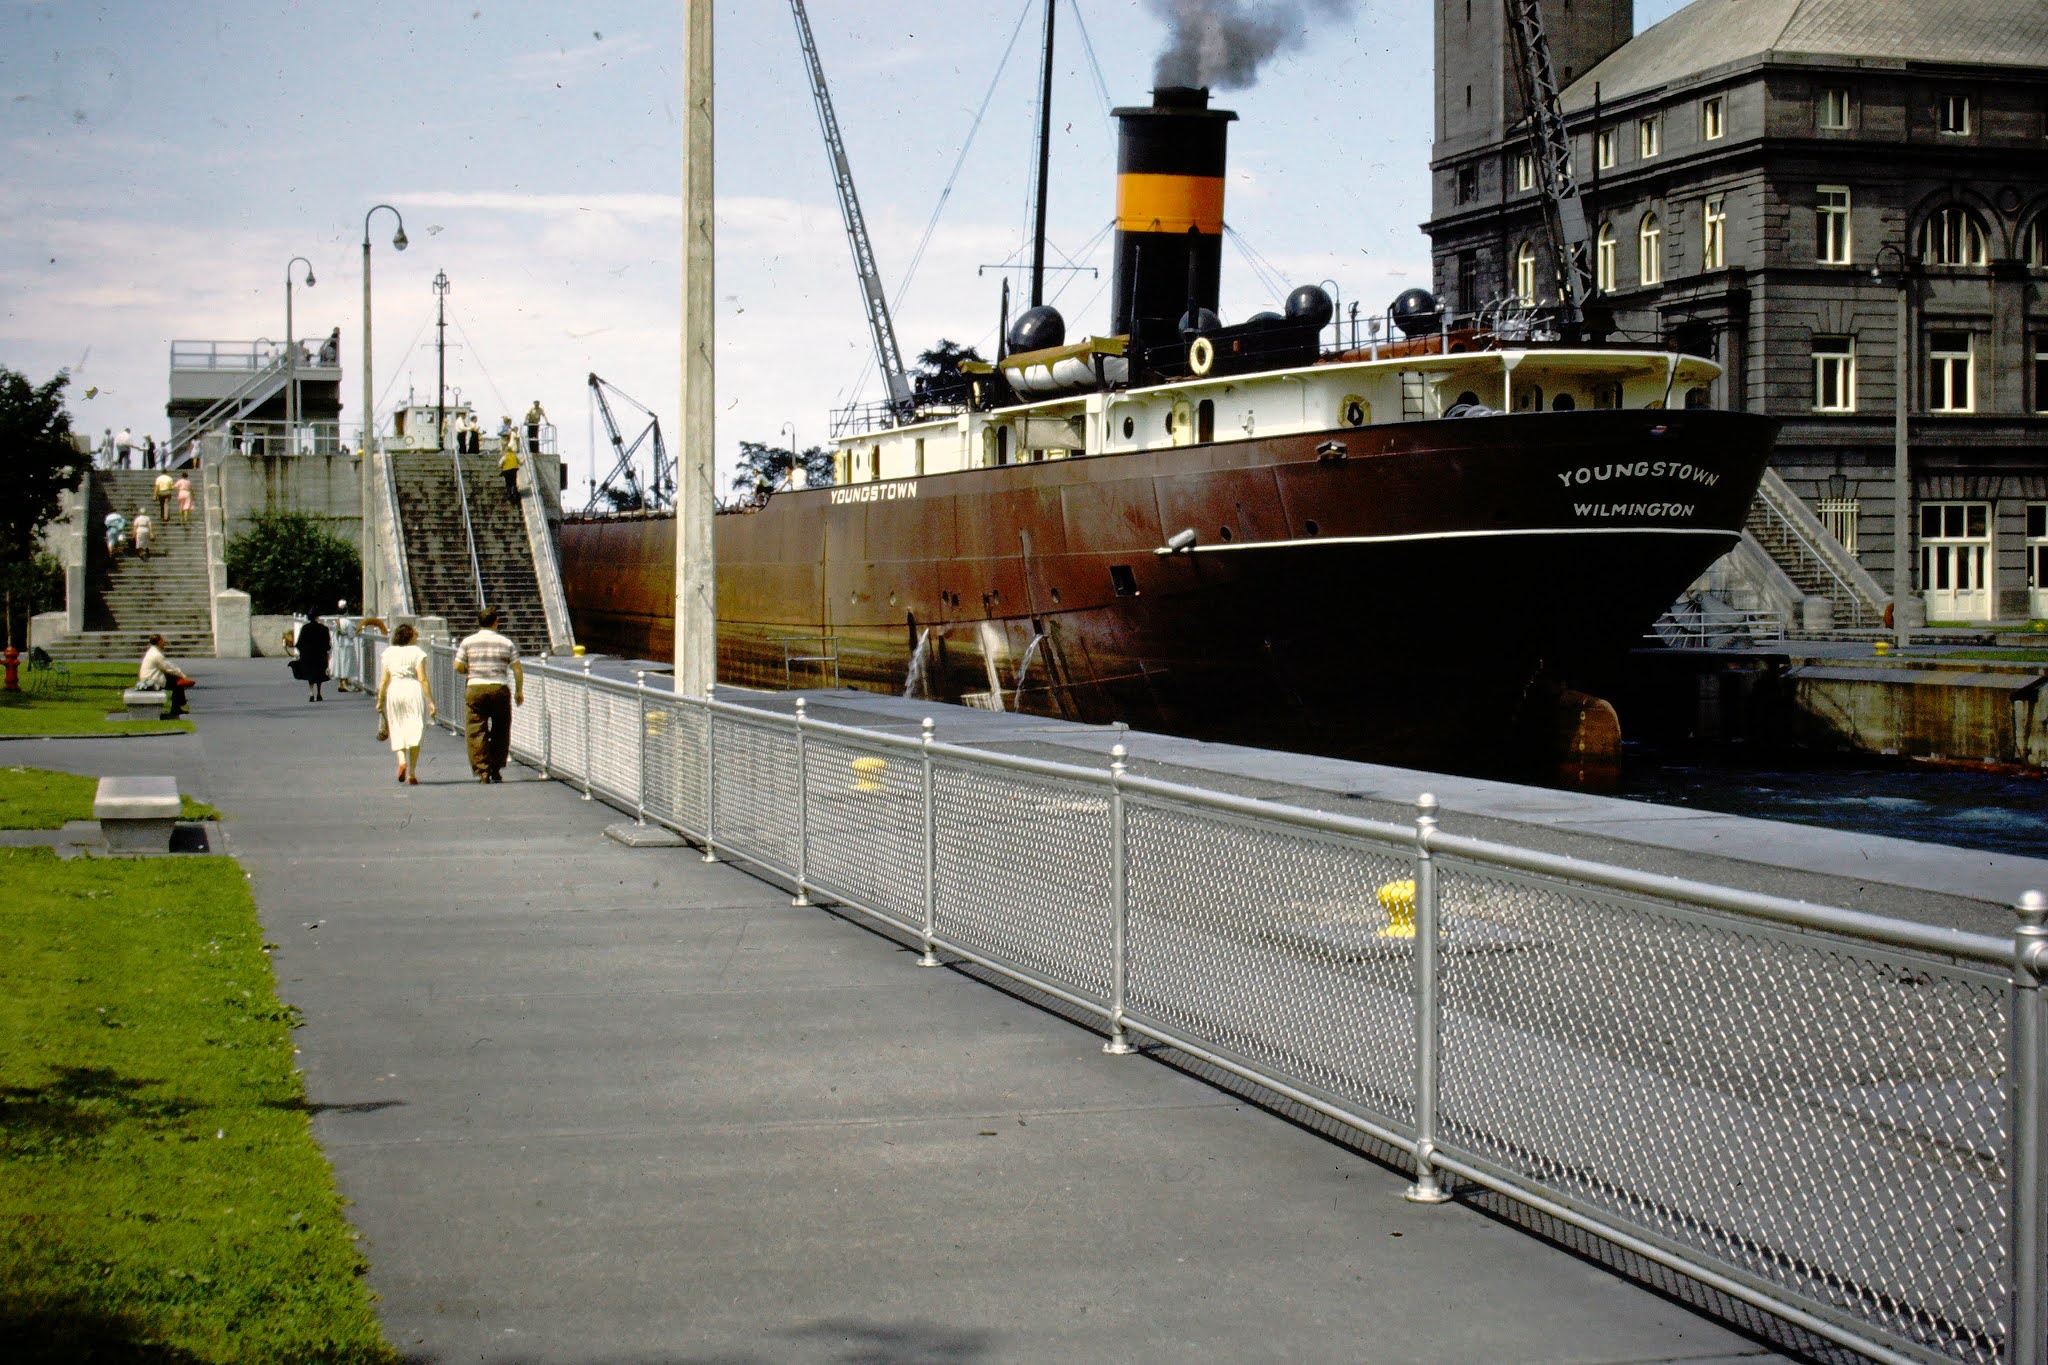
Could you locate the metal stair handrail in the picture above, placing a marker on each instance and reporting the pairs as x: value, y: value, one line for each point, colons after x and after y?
x: 240, y: 400
x: 401, y: 592
x: 476, y: 573
x: 1804, y: 535
x: 547, y: 570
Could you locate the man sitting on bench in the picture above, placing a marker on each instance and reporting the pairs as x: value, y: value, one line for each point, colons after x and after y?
x: 161, y: 675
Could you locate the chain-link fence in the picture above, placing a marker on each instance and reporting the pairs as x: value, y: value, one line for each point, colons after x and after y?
x: 1831, y: 1116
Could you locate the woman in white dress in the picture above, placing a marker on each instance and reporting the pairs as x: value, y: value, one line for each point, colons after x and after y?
x: 406, y: 698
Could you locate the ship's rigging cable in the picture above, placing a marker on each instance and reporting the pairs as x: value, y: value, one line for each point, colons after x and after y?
x: 959, y: 164
x: 504, y: 408
x: 392, y: 382
x: 1269, y: 274
x: 1101, y: 85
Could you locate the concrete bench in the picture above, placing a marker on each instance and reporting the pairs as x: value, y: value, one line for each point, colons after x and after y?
x: 136, y: 814
x: 144, y: 703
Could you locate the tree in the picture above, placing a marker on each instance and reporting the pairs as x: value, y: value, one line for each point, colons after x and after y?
x: 38, y: 460
x: 943, y: 360
x: 290, y: 562
x: 765, y: 468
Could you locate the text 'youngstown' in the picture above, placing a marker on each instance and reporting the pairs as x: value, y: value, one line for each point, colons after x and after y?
x: 1640, y: 469
x: 875, y: 492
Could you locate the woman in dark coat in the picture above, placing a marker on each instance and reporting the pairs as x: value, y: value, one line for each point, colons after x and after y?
x: 315, y: 643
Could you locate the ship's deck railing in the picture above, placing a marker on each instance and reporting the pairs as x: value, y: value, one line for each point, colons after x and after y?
x: 1834, y: 1117
x: 248, y: 355
x: 283, y: 438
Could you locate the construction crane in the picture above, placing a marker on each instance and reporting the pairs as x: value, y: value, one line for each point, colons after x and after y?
x: 1564, y: 213
x: 622, y: 490
x: 888, y: 357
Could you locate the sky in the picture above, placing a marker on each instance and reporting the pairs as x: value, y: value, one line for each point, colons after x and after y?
x: 164, y: 162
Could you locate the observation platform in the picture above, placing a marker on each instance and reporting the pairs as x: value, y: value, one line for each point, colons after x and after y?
x: 592, y: 1102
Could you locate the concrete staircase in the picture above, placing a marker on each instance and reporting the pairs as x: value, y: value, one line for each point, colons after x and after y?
x: 437, y: 548
x: 130, y: 599
x: 1813, y: 559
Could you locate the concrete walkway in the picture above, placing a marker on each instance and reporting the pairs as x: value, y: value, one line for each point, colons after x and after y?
x: 594, y: 1104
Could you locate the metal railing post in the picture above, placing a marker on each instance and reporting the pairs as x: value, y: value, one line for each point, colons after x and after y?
x: 586, y: 727
x: 2027, y: 1336
x: 547, y: 726
x: 1426, y: 1189
x: 931, y: 852
x: 710, y: 784
x: 640, y: 745
x: 1119, y: 1043
x: 803, y: 814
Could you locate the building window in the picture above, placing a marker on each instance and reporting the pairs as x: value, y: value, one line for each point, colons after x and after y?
x: 1603, y: 148
x: 1467, y: 184
x: 1650, y: 251
x: 1525, y: 171
x: 1714, y: 234
x: 1604, y: 272
x: 1834, y: 108
x: 1953, y: 113
x: 1948, y: 372
x: 1525, y: 274
x: 1839, y: 516
x: 1953, y: 236
x: 1713, y: 117
x: 1834, y: 374
x: 1468, y: 282
x: 1649, y: 136
x: 2034, y: 245
x: 2041, y: 373
x: 1831, y: 225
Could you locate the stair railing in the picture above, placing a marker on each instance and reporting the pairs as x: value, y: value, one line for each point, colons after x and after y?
x: 401, y: 590
x: 547, y: 569
x: 476, y: 573
x: 1805, y: 540
x: 243, y: 397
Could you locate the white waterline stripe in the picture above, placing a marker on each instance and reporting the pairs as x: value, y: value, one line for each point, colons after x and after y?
x: 1456, y: 535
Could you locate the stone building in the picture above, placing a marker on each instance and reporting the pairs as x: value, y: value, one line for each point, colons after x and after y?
x: 1765, y: 180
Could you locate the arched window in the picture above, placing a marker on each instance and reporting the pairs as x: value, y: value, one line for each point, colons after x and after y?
x: 1603, y: 257
x: 1650, y: 250
x: 1953, y: 236
x: 1525, y: 274
x: 2034, y: 244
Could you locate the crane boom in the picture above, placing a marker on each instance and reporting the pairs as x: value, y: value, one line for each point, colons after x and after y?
x: 622, y: 486
x: 1564, y: 213
x: 888, y: 358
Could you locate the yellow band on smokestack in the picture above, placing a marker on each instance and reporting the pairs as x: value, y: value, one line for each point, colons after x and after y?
x: 1169, y: 203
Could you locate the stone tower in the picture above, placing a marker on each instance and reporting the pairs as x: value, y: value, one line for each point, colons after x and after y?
x: 1477, y: 97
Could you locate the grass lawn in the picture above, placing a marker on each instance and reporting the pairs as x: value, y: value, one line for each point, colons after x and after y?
x: 95, y: 691
x: 161, y: 1197
x: 35, y: 798
x: 2008, y: 656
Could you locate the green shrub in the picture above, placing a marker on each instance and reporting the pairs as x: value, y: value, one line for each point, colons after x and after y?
x: 289, y: 561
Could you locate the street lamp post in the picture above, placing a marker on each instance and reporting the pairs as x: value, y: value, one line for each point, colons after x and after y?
x: 291, y: 355
x: 796, y: 461
x: 368, y: 440
x: 1902, y: 398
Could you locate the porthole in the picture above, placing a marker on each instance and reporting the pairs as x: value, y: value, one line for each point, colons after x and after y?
x: 1169, y: 423
x: 1055, y: 596
x: 1122, y: 581
x: 1130, y: 427
x: 1354, y: 411
x: 1309, y: 527
x: 1223, y: 532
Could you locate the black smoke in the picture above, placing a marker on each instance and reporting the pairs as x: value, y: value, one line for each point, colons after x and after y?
x: 1222, y: 44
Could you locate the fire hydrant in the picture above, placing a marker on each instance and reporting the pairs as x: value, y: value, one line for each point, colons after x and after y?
x: 12, y: 661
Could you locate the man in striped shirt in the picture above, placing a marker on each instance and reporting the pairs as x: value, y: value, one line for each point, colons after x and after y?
x: 496, y: 684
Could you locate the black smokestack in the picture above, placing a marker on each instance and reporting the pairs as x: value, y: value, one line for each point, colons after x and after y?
x: 1222, y: 44
x: 1169, y: 212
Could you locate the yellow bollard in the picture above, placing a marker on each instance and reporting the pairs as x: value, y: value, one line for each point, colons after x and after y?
x: 867, y: 773
x: 1883, y: 647
x: 1398, y: 900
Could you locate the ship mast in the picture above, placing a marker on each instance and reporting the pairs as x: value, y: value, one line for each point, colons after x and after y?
x: 1044, y: 162
x: 440, y: 360
x: 888, y: 357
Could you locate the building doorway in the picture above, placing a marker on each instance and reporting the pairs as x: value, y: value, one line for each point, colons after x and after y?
x: 2037, y: 560
x: 1955, y: 560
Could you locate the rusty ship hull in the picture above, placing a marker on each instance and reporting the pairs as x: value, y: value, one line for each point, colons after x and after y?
x: 1395, y: 592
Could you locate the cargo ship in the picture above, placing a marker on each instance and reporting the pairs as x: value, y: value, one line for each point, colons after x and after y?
x: 1413, y: 547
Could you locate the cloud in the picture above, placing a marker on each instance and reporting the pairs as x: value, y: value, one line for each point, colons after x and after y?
x: 566, y: 65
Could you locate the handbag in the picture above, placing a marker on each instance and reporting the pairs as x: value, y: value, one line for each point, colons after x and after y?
x: 383, y: 726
